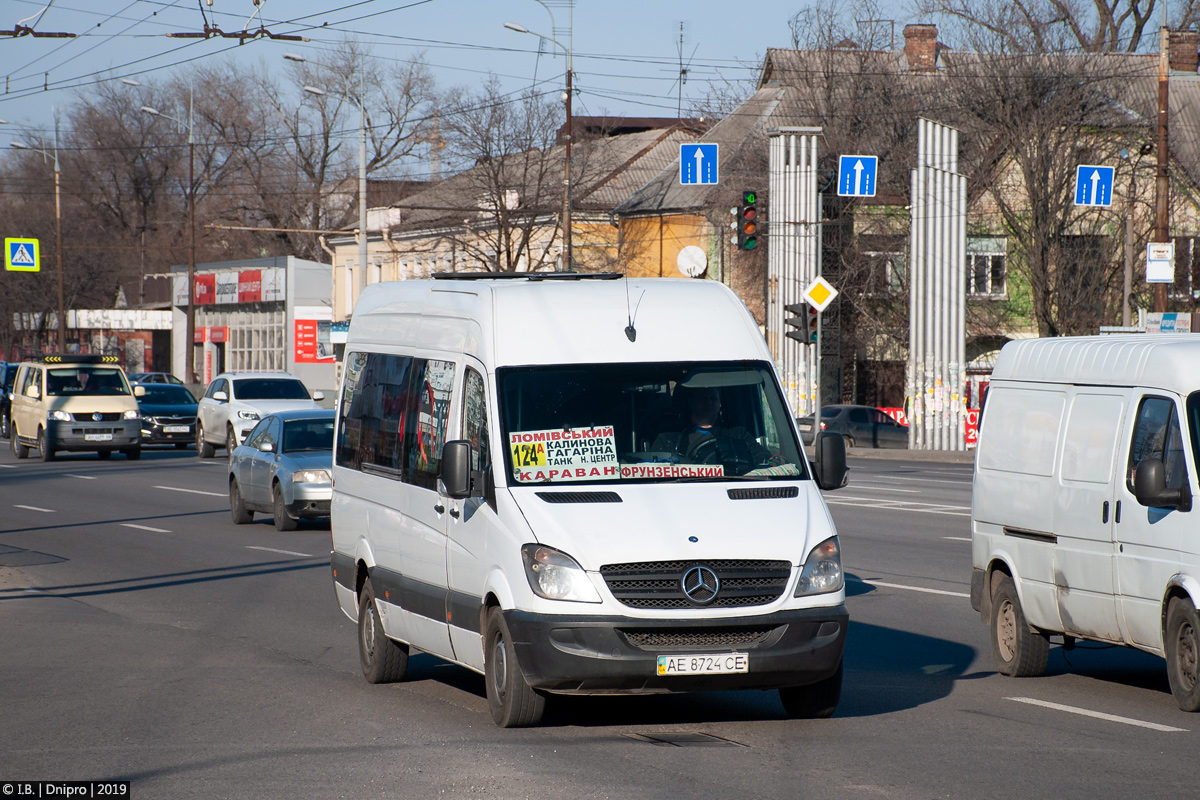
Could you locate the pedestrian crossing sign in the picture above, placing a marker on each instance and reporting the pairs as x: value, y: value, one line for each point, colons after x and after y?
x: 21, y: 255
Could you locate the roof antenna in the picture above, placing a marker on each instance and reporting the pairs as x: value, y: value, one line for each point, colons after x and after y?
x: 630, y: 331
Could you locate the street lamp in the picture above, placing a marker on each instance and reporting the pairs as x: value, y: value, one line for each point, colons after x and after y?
x: 189, y: 348
x: 62, y: 316
x: 567, y: 254
x: 361, y: 282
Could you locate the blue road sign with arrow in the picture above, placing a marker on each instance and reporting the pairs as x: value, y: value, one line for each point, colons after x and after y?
x: 856, y: 176
x: 698, y: 164
x: 1093, y: 185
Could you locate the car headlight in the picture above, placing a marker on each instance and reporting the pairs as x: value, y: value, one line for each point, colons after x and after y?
x: 822, y: 571
x: 556, y: 576
x: 61, y: 416
x: 311, y: 476
x: 247, y: 415
x: 133, y: 414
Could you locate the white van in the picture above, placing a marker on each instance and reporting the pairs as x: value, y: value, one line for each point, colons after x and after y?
x: 520, y: 488
x: 1081, y: 512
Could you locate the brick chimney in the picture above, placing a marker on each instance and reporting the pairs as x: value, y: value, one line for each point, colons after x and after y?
x: 920, y: 47
x: 1183, y: 52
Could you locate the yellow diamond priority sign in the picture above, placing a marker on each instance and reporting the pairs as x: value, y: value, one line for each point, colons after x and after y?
x: 21, y: 255
x: 820, y: 294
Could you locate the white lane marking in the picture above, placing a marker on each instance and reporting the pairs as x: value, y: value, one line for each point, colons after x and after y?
x: 1154, y: 726
x: 927, y: 480
x: 908, y: 588
x: 285, y: 552
x: 898, y: 505
x: 192, y: 491
x: 144, y: 528
x: 877, y: 488
x: 82, y: 477
x: 35, y: 508
x: 8, y: 466
x: 952, y: 538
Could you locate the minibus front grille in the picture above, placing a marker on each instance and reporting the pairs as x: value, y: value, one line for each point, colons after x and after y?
x: 659, y: 584
x: 686, y: 639
x: 764, y: 493
x: 579, y: 497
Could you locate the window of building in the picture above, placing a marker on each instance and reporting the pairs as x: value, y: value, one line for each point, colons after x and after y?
x: 987, y: 267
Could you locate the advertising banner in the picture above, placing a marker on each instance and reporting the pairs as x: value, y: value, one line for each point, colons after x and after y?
x: 206, y: 290
x: 249, y: 286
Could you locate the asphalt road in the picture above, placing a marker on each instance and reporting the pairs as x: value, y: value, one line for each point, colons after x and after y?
x: 145, y: 637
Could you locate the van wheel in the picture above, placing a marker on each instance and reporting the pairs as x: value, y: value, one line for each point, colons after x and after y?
x: 241, y: 514
x: 1018, y: 651
x: 1182, y: 642
x: 283, y: 522
x: 203, y: 448
x: 513, y: 703
x: 133, y: 453
x: 19, y: 450
x: 816, y: 701
x: 45, y: 449
x: 104, y: 455
x: 383, y: 660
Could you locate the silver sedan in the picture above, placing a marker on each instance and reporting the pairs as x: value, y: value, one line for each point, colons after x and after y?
x: 283, y: 469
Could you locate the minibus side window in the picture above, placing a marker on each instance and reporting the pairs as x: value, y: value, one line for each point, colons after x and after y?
x: 428, y: 413
x: 1156, y: 434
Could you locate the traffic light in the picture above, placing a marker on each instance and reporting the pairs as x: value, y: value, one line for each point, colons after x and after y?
x: 747, y: 221
x: 805, y: 323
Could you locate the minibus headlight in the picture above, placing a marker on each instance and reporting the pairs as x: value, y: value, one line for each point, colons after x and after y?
x: 556, y: 576
x: 60, y: 416
x: 822, y: 571
x: 133, y: 414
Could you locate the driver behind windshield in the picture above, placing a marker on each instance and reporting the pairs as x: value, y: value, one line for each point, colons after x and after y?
x: 705, y: 441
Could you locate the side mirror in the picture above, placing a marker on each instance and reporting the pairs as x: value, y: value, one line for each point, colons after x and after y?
x: 317, y: 395
x: 456, y: 468
x: 267, y: 447
x: 220, y: 397
x: 829, y: 458
x: 1150, y: 487
x: 33, y: 392
x: 138, y: 389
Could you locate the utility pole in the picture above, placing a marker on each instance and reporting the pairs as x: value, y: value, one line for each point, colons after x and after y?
x: 1162, y: 214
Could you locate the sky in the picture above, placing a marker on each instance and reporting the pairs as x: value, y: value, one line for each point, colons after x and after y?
x: 627, y: 54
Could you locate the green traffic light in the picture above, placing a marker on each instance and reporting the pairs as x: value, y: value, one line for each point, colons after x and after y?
x: 749, y: 197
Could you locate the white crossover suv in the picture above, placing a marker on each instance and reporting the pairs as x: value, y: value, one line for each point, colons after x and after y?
x: 235, y: 401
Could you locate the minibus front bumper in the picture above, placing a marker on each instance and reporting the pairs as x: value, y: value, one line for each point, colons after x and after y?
x: 597, y: 655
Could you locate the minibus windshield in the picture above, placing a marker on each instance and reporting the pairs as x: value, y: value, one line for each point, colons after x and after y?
x: 646, y: 422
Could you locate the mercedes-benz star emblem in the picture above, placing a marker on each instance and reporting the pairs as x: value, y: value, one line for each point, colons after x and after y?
x: 700, y: 584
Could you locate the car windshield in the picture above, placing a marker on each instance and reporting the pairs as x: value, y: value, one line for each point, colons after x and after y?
x: 308, y: 435
x: 647, y: 422
x: 92, y: 381
x: 269, y: 389
x: 167, y: 394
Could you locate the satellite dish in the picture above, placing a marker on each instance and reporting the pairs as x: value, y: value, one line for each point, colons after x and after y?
x: 692, y: 261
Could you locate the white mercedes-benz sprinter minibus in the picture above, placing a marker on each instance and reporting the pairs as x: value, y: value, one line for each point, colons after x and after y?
x: 1081, y: 511
x: 578, y: 483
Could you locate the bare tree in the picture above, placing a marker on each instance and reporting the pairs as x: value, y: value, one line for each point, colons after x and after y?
x: 512, y: 188
x: 1060, y: 26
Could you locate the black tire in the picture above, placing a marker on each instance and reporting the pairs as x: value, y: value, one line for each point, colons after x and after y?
x: 44, y: 447
x: 849, y: 440
x: 133, y: 453
x: 283, y: 522
x: 1182, y: 643
x: 816, y: 701
x: 230, y: 442
x: 241, y: 514
x: 203, y: 448
x: 19, y: 450
x: 383, y: 660
x: 513, y: 703
x: 104, y: 455
x: 1019, y: 652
